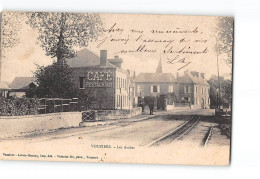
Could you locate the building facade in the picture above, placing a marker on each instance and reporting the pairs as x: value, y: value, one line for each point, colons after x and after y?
x: 19, y: 86
x: 194, y: 89
x: 191, y: 89
x: 107, y: 84
x: 154, y: 84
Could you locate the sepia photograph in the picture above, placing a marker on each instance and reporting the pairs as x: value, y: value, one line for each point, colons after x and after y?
x: 116, y: 88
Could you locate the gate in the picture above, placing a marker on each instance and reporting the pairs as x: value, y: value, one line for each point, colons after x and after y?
x: 88, y: 116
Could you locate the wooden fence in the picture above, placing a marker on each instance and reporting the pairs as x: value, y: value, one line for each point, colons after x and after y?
x: 53, y: 105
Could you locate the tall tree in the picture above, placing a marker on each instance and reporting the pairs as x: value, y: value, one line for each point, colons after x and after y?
x: 224, y: 37
x: 225, y: 91
x: 224, y: 44
x: 59, y: 33
x: 11, y: 25
x: 53, y: 81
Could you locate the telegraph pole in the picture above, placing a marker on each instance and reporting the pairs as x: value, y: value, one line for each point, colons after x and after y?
x: 218, y: 91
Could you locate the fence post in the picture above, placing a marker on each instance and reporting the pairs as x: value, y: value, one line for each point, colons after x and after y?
x: 61, y: 105
x: 53, y: 105
x: 45, y: 107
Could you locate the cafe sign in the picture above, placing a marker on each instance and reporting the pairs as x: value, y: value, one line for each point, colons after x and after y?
x: 99, y: 79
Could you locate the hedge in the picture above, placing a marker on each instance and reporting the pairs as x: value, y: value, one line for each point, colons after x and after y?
x: 18, y: 106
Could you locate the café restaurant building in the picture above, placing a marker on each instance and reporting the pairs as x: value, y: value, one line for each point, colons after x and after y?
x: 106, y: 83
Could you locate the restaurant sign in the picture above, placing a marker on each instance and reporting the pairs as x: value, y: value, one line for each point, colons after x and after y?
x: 99, y: 79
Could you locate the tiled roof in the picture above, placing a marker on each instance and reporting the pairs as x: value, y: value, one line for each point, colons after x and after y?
x: 155, y: 77
x: 83, y: 58
x: 188, y: 77
x: 86, y: 58
x: 21, y: 82
x: 115, y: 60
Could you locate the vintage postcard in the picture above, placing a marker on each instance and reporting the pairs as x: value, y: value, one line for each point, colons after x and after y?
x: 121, y: 88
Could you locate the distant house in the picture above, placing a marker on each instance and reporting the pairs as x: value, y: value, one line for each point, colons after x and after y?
x: 4, y: 88
x: 193, y: 88
x: 154, y: 84
x: 19, y: 86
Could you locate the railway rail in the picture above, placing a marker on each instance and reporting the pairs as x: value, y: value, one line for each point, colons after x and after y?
x: 176, y: 133
x: 207, y: 137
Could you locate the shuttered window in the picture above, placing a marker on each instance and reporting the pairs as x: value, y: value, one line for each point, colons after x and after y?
x: 155, y: 89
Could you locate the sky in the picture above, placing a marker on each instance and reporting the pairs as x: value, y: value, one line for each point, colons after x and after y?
x: 21, y: 60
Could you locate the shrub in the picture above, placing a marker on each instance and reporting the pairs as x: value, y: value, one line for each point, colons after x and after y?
x: 18, y: 106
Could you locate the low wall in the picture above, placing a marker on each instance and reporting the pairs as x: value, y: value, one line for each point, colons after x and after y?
x: 22, y: 125
x: 101, y: 115
x: 169, y: 107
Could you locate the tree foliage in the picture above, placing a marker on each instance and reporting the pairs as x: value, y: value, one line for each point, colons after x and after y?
x: 59, y: 33
x: 53, y: 81
x: 225, y: 27
x: 11, y: 24
x: 225, y: 90
x: 150, y: 101
x: 85, y: 100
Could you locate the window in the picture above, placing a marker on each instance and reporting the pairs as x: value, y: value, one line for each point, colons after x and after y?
x: 155, y: 88
x: 189, y: 89
x: 201, y: 90
x: 138, y: 89
x: 196, y: 90
x: 116, y: 82
x: 120, y: 101
x: 170, y: 88
x: 116, y: 100
x: 81, y: 82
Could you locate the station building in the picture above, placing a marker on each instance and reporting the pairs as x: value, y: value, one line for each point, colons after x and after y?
x: 103, y: 79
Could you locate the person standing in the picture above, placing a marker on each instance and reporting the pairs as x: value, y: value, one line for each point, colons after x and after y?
x: 151, y: 107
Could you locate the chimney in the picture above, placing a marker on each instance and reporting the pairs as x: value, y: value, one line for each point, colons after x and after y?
x: 195, y: 73
x: 103, y: 58
x: 134, y: 74
x: 202, y: 75
x: 177, y: 75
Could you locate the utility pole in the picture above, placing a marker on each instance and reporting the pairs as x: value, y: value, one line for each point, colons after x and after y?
x: 218, y: 91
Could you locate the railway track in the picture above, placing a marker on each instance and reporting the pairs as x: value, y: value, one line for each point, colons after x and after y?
x: 176, y: 133
x: 207, y: 137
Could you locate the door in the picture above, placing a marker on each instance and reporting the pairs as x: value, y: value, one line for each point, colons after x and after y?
x: 202, y: 103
